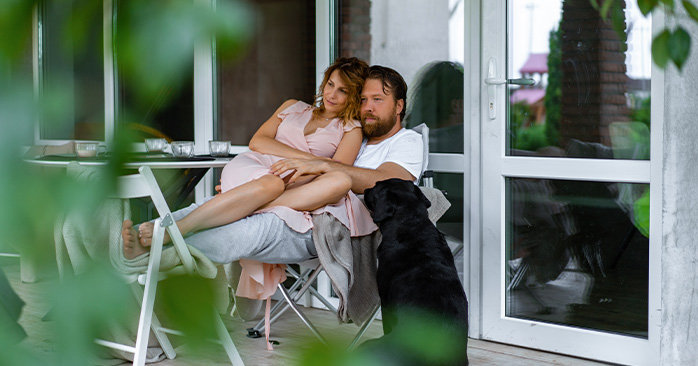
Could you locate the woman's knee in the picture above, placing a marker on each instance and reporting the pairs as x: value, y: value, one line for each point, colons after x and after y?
x: 338, y: 181
x: 271, y: 184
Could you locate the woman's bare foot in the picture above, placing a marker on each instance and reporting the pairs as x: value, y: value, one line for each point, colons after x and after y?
x: 132, y: 248
x: 145, y: 234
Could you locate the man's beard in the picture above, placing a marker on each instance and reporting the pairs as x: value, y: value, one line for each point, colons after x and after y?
x: 378, y: 128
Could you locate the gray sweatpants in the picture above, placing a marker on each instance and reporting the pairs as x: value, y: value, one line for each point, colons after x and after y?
x: 263, y: 237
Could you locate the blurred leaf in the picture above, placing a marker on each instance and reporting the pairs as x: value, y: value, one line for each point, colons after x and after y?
x: 641, y: 213
x: 187, y: 302
x: 84, y: 308
x: 605, y: 7
x: 594, y: 4
x: 669, y: 4
x: 646, y: 6
x: 618, y: 21
x: 679, y: 45
x: 15, y: 27
x: 660, y: 51
x: 168, y: 35
x: 691, y: 10
x: 85, y: 16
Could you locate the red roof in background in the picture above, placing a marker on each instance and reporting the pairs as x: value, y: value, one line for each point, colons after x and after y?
x: 536, y: 63
x: 529, y: 96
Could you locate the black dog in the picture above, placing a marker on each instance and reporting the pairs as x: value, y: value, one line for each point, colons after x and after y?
x: 416, y: 271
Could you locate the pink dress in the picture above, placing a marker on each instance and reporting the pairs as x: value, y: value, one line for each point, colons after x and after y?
x: 259, y: 280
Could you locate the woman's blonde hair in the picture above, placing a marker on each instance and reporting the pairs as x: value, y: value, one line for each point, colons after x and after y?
x: 353, y: 73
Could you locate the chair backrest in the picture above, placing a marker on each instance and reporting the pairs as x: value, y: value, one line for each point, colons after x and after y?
x: 423, y: 130
x: 144, y: 184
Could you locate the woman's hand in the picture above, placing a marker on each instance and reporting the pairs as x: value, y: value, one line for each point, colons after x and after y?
x: 300, y: 167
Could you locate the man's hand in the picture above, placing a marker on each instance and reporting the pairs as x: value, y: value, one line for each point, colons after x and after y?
x: 300, y: 167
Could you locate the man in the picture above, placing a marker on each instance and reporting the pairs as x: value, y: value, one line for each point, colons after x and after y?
x: 389, y: 151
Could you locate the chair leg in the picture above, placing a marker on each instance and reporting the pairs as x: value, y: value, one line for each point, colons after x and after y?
x: 363, y: 329
x: 260, y: 326
x: 300, y: 314
x: 151, y: 283
x: 227, y: 342
x: 162, y: 338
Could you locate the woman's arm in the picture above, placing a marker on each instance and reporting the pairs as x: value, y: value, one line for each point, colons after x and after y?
x: 348, y: 147
x: 263, y: 140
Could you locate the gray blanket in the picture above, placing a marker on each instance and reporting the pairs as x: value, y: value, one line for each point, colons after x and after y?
x: 351, y: 263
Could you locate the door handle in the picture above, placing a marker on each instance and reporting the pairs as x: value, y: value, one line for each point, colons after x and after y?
x: 492, y: 81
x: 520, y: 81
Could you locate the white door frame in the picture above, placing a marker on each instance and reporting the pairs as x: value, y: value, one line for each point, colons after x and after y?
x: 494, y: 324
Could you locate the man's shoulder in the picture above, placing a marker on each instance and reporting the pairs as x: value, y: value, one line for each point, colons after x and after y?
x: 403, y: 135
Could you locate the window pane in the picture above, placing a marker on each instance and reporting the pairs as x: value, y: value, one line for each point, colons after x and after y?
x: 423, y: 41
x: 73, y: 71
x: 592, y: 85
x: 279, y: 65
x: 577, y: 253
x: 168, y: 114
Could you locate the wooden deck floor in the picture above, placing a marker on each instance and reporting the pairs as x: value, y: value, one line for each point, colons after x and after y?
x: 289, y: 331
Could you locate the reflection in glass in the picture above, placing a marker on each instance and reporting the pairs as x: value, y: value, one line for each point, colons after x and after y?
x: 170, y: 113
x: 279, y: 65
x: 75, y: 73
x: 577, y: 253
x: 591, y: 96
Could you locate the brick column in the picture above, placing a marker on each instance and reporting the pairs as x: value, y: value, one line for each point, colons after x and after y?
x: 355, y: 31
x: 593, y: 75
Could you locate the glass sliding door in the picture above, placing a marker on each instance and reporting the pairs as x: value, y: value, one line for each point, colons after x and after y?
x: 567, y: 180
x: 278, y: 65
x: 71, y: 74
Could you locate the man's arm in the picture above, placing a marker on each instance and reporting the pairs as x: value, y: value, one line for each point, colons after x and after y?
x: 361, y: 178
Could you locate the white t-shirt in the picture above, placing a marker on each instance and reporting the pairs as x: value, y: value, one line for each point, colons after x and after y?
x: 403, y: 148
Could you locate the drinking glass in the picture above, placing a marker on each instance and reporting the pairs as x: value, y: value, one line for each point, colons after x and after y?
x: 218, y: 148
x: 86, y: 149
x: 155, y: 145
x: 182, y: 149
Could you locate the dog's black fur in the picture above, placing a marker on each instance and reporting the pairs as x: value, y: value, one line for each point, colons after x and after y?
x: 416, y: 270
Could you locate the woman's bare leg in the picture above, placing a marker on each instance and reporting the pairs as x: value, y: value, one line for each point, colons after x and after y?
x: 321, y: 191
x: 224, y: 208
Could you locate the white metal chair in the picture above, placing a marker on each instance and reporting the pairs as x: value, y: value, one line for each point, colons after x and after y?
x: 140, y: 185
x: 304, y: 280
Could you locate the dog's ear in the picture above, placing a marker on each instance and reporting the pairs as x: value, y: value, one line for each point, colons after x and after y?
x: 383, y: 211
x: 422, y: 197
x: 379, y: 203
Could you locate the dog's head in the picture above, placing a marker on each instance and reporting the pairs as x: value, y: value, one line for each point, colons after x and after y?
x: 393, y: 196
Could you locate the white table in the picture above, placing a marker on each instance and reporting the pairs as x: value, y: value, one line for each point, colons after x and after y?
x: 153, y: 163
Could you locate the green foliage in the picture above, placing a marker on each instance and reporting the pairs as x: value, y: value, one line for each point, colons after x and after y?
x: 672, y: 46
x: 519, y: 118
x: 553, y: 92
x: 669, y: 45
x: 532, y: 138
x: 679, y: 46
x: 642, y: 113
x: 690, y: 9
x: 157, y: 41
x: 660, y: 44
x: 641, y: 213
x: 421, y: 339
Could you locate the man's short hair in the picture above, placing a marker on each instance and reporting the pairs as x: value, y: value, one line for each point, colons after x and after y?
x: 393, y: 83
